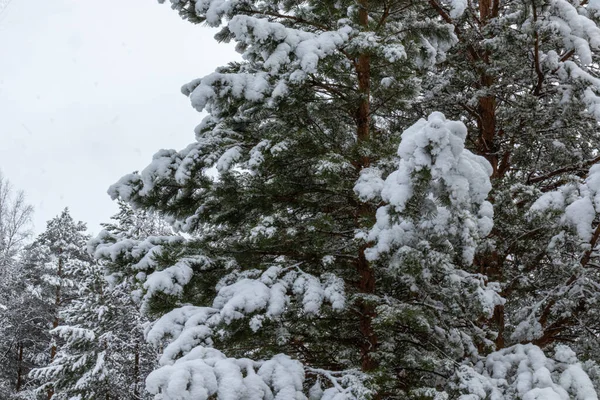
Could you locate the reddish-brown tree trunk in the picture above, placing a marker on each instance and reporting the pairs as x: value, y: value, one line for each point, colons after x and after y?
x: 487, y: 124
x: 486, y: 107
x: 363, y: 72
x: 367, y: 278
x: 367, y: 313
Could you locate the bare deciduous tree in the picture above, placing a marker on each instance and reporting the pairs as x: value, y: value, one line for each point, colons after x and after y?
x: 16, y: 315
x: 15, y: 222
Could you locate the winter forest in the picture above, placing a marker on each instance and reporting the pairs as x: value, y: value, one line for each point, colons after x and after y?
x: 384, y: 199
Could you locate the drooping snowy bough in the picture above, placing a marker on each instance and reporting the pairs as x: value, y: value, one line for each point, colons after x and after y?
x: 437, y: 194
x: 190, y: 366
x: 525, y: 372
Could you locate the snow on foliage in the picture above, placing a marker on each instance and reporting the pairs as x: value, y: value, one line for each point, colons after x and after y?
x: 279, y: 56
x: 570, y: 213
x: 580, y: 34
x: 451, y: 182
x: 578, y: 31
x: 189, y: 367
x: 525, y: 372
x: 139, y: 254
x: 578, y: 203
x: 206, y: 372
x: 268, y: 295
x: 436, y: 215
x: 297, y: 51
x: 282, y: 135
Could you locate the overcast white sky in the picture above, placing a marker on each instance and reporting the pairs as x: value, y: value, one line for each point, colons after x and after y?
x: 89, y: 91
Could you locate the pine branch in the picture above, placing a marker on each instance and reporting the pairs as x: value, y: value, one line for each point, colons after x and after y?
x: 578, y: 167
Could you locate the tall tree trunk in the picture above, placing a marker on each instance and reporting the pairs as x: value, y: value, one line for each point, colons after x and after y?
x: 19, y: 367
x: 486, y: 107
x: 486, y: 146
x: 487, y: 123
x: 55, y: 322
x: 136, y: 371
x: 366, y: 275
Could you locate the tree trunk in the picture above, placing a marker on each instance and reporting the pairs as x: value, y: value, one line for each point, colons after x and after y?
x: 486, y: 107
x: 19, y: 367
x: 366, y: 275
x: 136, y: 371
x: 53, y: 349
x: 487, y: 124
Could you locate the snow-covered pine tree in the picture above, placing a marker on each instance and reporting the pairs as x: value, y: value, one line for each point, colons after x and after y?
x: 303, y: 134
x: 523, y: 77
x: 102, y: 354
x: 57, y: 263
x: 78, y: 368
x: 280, y: 285
x: 27, y: 327
x: 126, y: 358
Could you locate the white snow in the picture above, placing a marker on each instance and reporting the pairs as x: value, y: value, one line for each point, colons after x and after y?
x: 578, y: 203
x: 525, y: 372
x: 190, y: 369
x: 435, y: 147
x: 457, y: 8
x: 369, y: 184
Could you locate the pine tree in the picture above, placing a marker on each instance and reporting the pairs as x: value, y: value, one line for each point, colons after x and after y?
x: 28, y: 322
x: 524, y: 79
x: 77, y: 368
x: 345, y: 250
x: 101, y: 352
x: 57, y: 263
x: 278, y: 260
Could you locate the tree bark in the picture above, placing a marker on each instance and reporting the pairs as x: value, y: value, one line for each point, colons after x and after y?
x: 55, y: 322
x: 136, y: 371
x: 366, y: 275
x: 19, y: 367
x: 486, y: 107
